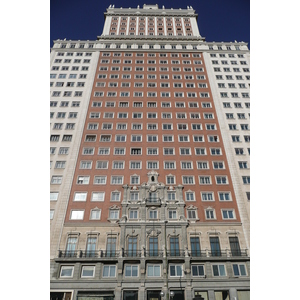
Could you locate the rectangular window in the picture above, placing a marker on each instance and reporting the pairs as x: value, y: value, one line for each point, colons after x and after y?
x: 176, y: 271
x: 53, y: 196
x: 87, y: 271
x: 224, y: 196
x: 98, y: 196
x: 131, y: 271
x: 207, y: 196
x: 198, y: 270
x: 190, y: 196
x: 77, y: 215
x: 56, y: 180
x: 100, y: 180
x: 228, y: 214
x: 188, y: 180
x: 66, y: 271
x: 204, y: 180
x: 109, y: 271
x: 153, y: 270
x: 239, y: 270
x: 116, y: 179
x: 219, y: 270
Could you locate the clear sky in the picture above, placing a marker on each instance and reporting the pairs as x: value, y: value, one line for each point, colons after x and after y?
x: 218, y: 20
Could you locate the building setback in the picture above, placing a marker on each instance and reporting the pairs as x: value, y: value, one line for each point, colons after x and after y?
x: 149, y: 171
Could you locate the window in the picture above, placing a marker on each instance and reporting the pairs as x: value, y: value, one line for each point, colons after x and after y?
x: 188, y: 180
x: 239, y: 269
x: 192, y: 214
x: 105, y: 138
x: 136, y: 138
x: 153, y: 270
x: 246, y: 179
x: 63, y: 151
x: 152, y: 138
x: 131, y: 271
x: 224, y: 196
x: 152, y: 165
x: 95, y: 214
x: 117, y: 151
x: 209, y: 214
x: 136, y: 151
x: 215, y: 151
x: 176, y: 271
x: 56, y: 180
x: 228, y: 214
x: 134, y: 196
x: 115, y: 196
x: 118, y: 165
x: 120, y: 138
x: 204, y: 180
x: 60, y: 165
x: 153, y: 214
x: 53, y: 196
x: 77, y: 215
x: 134, y: 179
x: 221, y: 180
x: 172, y: 214
x: 186, y: 165
x: 54, y: 138
x: 170, y: 179
x: 243, y: 165
x: 116, y: 179
x: 83, y: 179
x: 198, y: 270
x: 135, y: 165
x: 109, y: 271
x: 98, y: 196
x: 103, y: 151
x: 101, y: 164
x: 169, y: 165
x: 219, y: 270
x: 190, y: 196
x: 114, y: 214
x: 239, y: 151
x: 100, y: 180
x: 207, y: 196
x: 133, y: 214
x: 66, y: 271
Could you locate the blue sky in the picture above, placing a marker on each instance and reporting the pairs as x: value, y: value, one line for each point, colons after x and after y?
x: 218, y: 20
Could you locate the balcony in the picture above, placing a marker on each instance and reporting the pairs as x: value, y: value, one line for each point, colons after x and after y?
x: 176, y: 253
x: 132, y: 253
x: 88, y: 254
x: 193, y: 254
x: 153, y: 201
x: 154, y: 253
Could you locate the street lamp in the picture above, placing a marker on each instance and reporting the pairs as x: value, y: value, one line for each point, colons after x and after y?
x: 162, y: 294
x: 172, y: 294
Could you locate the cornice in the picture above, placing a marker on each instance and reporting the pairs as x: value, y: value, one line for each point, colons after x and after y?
x: 149, y: 38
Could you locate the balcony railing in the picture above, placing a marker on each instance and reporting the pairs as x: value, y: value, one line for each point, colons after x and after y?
x: 68, y: 253
x: 154, y: 253
x: 176, y: 253
x: 217, y: 253
x: 110, y: 253
x: 151, y: 253
x: 153, y: 201
x: 132, y: 253
x: 88, y: 254
x: 197, y: 253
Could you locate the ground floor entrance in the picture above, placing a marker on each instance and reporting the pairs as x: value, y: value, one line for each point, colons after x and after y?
x: 60, y: 295
x: 178, y: 295
x: 153, y: 295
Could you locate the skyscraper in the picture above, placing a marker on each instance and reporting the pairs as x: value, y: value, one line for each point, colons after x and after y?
x: 149, y: 161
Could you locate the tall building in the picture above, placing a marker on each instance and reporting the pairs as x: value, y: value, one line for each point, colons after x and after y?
x: 149, y: 151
